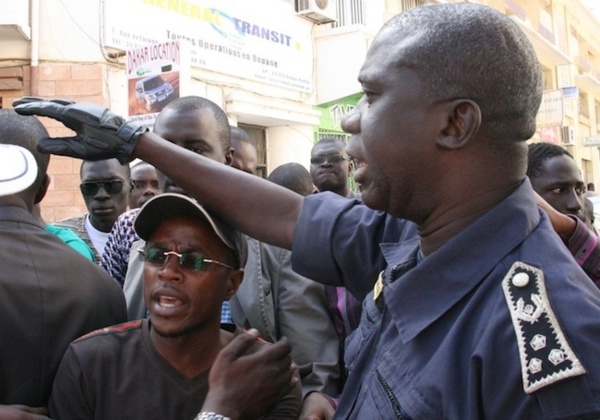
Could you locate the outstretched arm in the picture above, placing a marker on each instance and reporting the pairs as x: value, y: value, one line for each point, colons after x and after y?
x: 254, y: 206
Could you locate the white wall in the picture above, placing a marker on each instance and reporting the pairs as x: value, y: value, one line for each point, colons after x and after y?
x: 70, y: 30
x: 289, y: 144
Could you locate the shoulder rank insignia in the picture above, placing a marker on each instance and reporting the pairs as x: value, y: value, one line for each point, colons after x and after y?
x: 543, y: 349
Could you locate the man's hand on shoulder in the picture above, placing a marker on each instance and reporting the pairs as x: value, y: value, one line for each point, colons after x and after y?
x: 562, y: 224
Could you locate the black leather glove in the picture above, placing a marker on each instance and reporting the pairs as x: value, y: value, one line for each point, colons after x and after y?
x: 100, y: 133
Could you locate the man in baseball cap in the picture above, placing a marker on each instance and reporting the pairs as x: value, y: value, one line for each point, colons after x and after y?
x: 192, y: 263
x: 166, y: 205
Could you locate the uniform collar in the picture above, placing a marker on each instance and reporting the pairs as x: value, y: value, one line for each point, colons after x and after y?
x: 436, y: 284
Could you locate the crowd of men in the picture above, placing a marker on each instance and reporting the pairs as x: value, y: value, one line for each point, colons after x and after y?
x: 459, y: 280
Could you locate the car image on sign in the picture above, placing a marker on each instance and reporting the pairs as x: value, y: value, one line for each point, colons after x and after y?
x: 153, y: 91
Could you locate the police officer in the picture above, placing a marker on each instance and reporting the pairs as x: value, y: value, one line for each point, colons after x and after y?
x: 472, y: 313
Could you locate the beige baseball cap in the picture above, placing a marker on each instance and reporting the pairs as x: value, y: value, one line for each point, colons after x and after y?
x: 170, y: 204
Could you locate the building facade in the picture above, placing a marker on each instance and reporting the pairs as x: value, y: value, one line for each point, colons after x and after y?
x: 284, y: 70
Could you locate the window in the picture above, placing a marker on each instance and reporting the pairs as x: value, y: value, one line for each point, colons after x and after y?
x: 350, y: 12
x: 584, y: 109
x: 546, y: 14
x: 548, y: 79
x: 409, y: 4
x: 546, y: 27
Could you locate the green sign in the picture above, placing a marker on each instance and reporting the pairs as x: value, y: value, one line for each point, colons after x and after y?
x: 332, y: 112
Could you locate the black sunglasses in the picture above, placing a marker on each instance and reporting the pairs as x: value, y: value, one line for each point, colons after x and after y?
x: 319, y: 160
x: 92, y: 188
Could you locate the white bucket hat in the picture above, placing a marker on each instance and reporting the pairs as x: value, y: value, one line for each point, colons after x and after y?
x: 18, y: 169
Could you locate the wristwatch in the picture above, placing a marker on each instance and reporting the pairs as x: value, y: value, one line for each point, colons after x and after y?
x: 209, y: 415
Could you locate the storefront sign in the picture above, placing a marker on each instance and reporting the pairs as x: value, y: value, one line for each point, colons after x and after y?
x: 550, y: 134
x: 258, y: 40
x: 156, y: 75
x: 590, y: 141
x: 551, y: 112
x: 332, y: 112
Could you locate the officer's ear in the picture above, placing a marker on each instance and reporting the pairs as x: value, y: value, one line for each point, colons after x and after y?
x: 463, y: 122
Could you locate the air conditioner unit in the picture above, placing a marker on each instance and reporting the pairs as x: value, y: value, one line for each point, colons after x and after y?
x: 568, y: 136
x: 318, y: 11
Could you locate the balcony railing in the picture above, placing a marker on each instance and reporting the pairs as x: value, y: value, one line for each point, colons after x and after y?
x: 547, y: 33
x: 584, y: 64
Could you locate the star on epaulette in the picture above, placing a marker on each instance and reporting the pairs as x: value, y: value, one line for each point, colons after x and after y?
x: 545, y: 354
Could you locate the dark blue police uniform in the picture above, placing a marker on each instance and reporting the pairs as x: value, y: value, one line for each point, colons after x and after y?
x: 500, y: 322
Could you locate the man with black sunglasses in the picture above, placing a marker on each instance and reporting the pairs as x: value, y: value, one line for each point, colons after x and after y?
x: 330, y: 167
x: 105, y: 187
